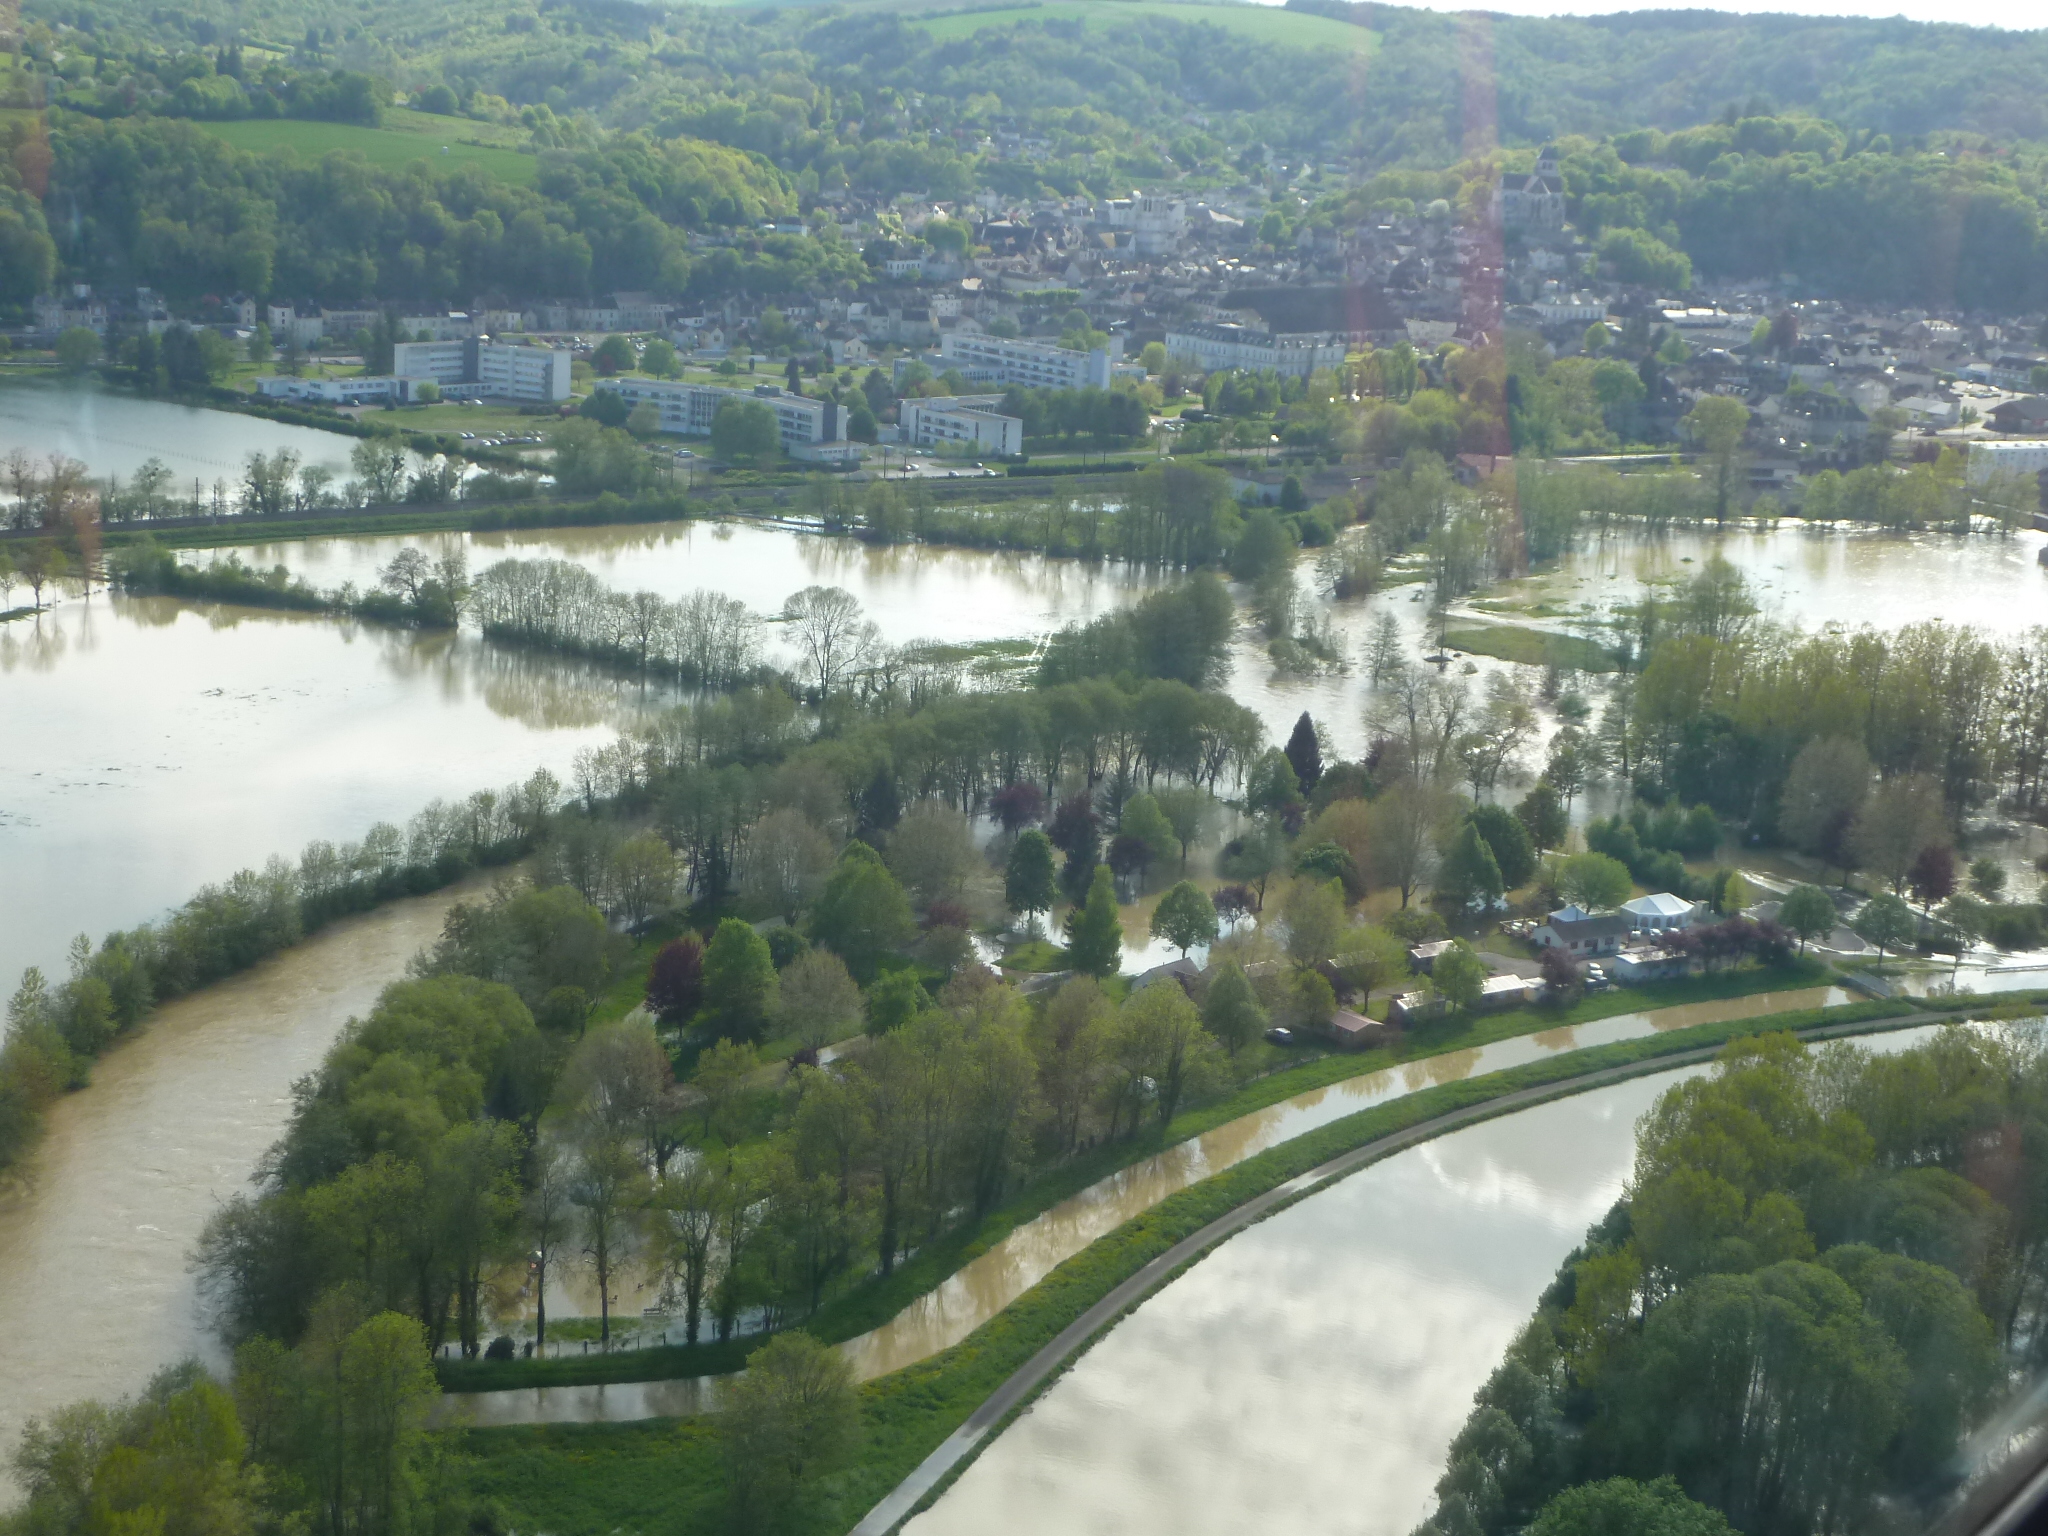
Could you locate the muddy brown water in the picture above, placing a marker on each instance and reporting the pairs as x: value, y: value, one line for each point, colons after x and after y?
x: 96, y: 1227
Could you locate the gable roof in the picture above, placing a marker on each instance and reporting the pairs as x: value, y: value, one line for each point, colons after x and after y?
x: 1661, y: 904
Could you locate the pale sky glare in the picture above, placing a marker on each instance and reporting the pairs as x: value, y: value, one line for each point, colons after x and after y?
x: 2025, y: 15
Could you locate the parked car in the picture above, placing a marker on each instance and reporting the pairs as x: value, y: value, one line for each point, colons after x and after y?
x: 1279, y: 1034
x: 1597, y: 978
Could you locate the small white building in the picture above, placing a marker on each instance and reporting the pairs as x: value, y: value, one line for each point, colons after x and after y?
x: 1661, y: 913
x: 373, y: 389
x: 1581, y: 934
x: 966, y: 421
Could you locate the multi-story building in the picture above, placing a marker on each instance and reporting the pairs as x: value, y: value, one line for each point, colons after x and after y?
x: 450, y: 325
x: 355, y: 390
x: 78, y: 309
x: 960, y: 420
x: 1034, y: 364
x: 2023, y: 456
x: 1219, y: 348
x: 346, y: 322
x: 486, y: 370
x: 689, y: 409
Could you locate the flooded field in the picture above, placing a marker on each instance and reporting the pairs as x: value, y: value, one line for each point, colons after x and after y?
x: 151, y: 747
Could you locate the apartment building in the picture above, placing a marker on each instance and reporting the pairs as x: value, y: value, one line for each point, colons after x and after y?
x: 486, y: 370
x: 2022, y: 456
x: 971, y: 421
x: 1220, y: 348
x: 689, y: 409
x: 1034, y: 364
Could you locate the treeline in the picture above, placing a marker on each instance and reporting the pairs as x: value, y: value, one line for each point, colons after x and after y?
x: 1725, y: 704
x: 1102, y: 416
x: 413, y: 589
x: 705, y: 640
x: 1173, y: 515
x: 1800, y: 1334
x: 167, y: 204
x: 56, y: 1028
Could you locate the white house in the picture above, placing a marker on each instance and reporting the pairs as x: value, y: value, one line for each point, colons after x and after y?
x: 1661, y: 913
x: 1580, y: 933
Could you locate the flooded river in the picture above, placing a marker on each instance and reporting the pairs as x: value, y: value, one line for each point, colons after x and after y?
x: 95, y: 1229
x: 114, y: 434
x: 1814, y: 577
x: 1307, y: 1376
x: 148, y: 747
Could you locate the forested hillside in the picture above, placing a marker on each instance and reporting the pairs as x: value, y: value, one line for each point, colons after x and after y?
x: 1888, y: 160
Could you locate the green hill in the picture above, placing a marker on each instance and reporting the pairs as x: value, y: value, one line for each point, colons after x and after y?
x: 1263, y: 24
x: 407, y: 136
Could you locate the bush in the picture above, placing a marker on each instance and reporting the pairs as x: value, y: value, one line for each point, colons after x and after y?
x: 501, y: 1348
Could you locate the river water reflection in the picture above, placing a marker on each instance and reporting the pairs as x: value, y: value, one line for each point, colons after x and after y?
x: 1307, y: 1376
x: 148, y: 747
x: 113, y: 434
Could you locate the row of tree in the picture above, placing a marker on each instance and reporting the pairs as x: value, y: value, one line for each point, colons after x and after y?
x: 1801, y: 1306
x: 56, y: 1029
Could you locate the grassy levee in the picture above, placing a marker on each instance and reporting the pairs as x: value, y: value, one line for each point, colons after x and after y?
x: 872, y: 1302
x: 597, y: 1480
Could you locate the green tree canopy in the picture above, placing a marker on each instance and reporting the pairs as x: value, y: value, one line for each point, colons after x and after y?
x: 863, y: 913
x: 1095, y: 934
x: 1594, y: 881
x: 1184, y: 917
x: 739, y: 982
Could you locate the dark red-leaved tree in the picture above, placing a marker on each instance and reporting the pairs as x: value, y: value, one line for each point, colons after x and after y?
x: 1073, y: 824
x: 1017, y: 806
x: 675, y: 983
x: 1933, y: 875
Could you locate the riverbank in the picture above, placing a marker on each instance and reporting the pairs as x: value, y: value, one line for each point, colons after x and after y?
x: 590, y: 1480
x: 96, y: 1224
x: 875, y: 1302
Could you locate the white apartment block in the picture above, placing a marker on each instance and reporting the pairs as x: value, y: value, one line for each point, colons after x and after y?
x: 372, y: 390
x: 1219, y: 348
x: 2018, y: 456
x: 345, y: 323
x: 689, y: 409
x: 486, y: 370
x: 1034, y: 364
x: 451, y: 325
x: 960, y: 420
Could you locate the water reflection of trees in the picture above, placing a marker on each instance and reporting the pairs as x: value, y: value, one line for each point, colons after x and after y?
x: 543, y: 692
x: 37, y: 644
